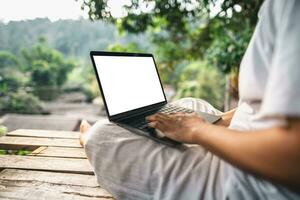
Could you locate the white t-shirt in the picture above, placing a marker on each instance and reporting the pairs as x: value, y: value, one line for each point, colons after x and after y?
x: 269, y: 79
x: 269, y: 88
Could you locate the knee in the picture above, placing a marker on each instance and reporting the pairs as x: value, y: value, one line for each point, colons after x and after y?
x: 197, y: 105
x: 185, y: 101
x: 96, y: 131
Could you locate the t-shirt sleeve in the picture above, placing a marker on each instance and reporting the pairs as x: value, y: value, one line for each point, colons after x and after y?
x: 282, y: 92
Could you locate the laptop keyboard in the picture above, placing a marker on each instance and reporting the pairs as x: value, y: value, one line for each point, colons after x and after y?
x: 141, y: 123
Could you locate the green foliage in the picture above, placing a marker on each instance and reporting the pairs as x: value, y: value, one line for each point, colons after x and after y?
x: 130, y: 47
x: 48, y: 70
x: 201, y: 81
x: 20, y: 152
x: 73, y: 38
x: 10, y: 77
x: 3, y: 130
x: 2, y: 152
x: 7, y: 60
x: 227, y: 49
x: 83, y: 79
x: 10, y: 80
x: 183, y: 29
x: 20, y: 102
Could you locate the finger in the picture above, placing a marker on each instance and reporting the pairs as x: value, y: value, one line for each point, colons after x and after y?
x: 163, y: 116
x: 181, y: 114
x: 157, y: 125
x: 161, y: 126
x: 151, y: 117
x: 153, y: 124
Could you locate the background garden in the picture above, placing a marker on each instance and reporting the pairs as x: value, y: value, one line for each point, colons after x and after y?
x: 198, y: 45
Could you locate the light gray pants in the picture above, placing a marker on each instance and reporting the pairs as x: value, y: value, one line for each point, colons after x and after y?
x: 131, y: 166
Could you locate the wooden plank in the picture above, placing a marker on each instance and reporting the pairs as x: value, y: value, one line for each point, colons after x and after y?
x: 36, y: 191
x: 49, y: 177
x: 49, y: 185
x: 71, y: 165
x: 60, y: 152
x: 47, y: 122
x: 44, y: 133
x: 37, y: 151
x: 9, y: 142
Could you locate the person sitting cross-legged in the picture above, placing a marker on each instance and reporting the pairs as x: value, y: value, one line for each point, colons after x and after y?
x: 253, y: 152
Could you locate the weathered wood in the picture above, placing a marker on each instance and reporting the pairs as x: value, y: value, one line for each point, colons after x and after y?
x: 9, y: 142
x: 48, y: 122
x: 37, y: 151
x: 44, y: 133
x: 56, y: 169
x: 59, y: 185
x: 60, y: 152
x: 37, y: 191
x: 71, y: 165
x: 49, y: 177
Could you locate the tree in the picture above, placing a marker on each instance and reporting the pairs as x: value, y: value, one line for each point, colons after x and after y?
x: 188, y: 30
x: 189, y: 24
x: 10, y: 77
x: 13, y: 98
x: 47, y: 68
x: 199, y: 80
x: 8, y: 60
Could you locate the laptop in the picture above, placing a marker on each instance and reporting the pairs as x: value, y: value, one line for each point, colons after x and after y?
x: 131, y: 90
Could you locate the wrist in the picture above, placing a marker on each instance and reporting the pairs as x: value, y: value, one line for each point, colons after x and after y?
x: 199, y: 132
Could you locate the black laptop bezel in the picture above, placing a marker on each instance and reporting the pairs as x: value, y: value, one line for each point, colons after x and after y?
x: 126, y: 114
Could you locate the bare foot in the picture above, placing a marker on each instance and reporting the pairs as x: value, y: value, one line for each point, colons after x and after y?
x: 84, y: 127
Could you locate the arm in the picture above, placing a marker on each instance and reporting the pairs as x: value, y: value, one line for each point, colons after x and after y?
x: 272, y: 153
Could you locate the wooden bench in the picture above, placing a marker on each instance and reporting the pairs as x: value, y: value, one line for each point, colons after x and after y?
x: 57, y: 167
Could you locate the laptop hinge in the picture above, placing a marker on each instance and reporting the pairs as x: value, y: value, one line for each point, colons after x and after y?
x: 139, y: 113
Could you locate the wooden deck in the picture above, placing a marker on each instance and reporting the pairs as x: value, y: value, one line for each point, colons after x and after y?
x: 57, y: 167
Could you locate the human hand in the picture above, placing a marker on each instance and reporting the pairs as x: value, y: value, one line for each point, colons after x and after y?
x: 181, y: 127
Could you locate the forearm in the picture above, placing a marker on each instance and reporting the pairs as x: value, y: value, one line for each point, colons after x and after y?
x: 273, y: 154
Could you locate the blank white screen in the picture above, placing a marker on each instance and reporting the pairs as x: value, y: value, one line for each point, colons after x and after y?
x: 128, y: 82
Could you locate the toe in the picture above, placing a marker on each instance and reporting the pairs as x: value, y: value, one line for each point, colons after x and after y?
x: 84, y: 126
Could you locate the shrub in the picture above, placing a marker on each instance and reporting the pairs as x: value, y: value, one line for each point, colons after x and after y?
x: 201, y: 81
x: 21, y: 103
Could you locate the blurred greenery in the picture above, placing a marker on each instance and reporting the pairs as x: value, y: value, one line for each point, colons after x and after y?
x: 21, y: 102
x: 3, y: 130
x: 196, y: 43
x: 20, y: 152
x: 38, y: 74
x: 48, y: 69
x: 72, y: 38
x: 181, y: 32
x: 185, y: 29
x: 199, y: 80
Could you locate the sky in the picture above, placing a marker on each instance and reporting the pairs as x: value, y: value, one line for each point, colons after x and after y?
x: 16, y: 10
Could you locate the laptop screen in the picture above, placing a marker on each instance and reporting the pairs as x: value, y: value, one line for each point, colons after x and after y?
x: 128, y: 82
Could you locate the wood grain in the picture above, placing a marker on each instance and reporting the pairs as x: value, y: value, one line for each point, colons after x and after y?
x: 44, y: 133
x: 39, y: 190
x: 56, y: 169
x: 70, y: 165
x: 49, y: 177
x: 60, y: 152
x: 9, y: 142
